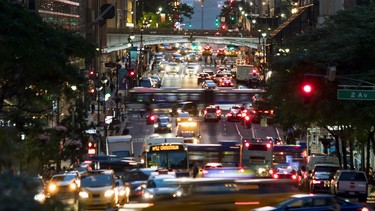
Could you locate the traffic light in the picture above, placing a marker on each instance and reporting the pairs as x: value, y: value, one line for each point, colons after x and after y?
x: 217, y: 22
x: 91, y: 74
x: 232, y: 18
x: 307, y: 88
x: 307, y: 91
x: 131, y: 74
x: 190, y: 25
x: 223, y: 27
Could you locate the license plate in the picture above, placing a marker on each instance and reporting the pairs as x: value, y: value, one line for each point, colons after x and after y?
x: 96, y: 202
x: 351, y: 193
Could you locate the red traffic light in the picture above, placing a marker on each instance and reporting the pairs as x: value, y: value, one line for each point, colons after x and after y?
x: 307, y: 88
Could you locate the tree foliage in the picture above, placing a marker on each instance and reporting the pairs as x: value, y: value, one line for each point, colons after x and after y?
x: 174, y: 11
x: 36, y: 69
x: 36, y: 62
x: 345, y: 41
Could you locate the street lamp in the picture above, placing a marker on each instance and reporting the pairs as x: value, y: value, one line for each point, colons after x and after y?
x: 140, y: 60
x: 264, y: 47
x: 202, y: 4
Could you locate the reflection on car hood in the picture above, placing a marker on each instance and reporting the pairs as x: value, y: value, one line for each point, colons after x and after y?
x: 97, y: 189
x: 265, y: 208
x: 163, y: 190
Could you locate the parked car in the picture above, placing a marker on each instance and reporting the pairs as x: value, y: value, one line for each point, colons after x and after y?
x: 350, y: 183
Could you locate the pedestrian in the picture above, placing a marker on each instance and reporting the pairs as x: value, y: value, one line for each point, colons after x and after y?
x: 141, y: 113
x: 195, y: 170
x: 92, y: 108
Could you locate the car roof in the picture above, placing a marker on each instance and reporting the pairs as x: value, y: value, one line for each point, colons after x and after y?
x: 211, y: 84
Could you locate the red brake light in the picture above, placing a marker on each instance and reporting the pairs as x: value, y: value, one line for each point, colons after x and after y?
x: 247, y: 145
x: 152, y: 117
x: 269, y: 145
x: 294, y: 177
x: 247, y: 118
x: 275, y: 176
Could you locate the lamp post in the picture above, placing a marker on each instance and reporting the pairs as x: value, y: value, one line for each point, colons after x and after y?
x: 202, y: 4
x: 104, y: 81
x: 140, y: 60
x: 74, y: 88
x: 98, y: 89
x: 264, y: 47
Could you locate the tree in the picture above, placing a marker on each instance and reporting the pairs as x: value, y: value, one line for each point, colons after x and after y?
x: 174, y: 10
x: 331, y: 44
x: 36, y: 67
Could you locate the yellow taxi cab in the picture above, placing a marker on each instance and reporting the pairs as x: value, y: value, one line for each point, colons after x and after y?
x: 99, y: 190
x: 207, y: 50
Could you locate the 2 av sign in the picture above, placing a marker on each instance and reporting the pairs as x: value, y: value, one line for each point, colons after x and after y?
x: 349, y: 94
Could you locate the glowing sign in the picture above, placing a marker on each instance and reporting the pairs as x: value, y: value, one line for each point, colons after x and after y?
x: 166, y: 148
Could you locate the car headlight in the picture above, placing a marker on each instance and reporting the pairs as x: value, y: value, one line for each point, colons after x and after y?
x: 109, y: 193
x: 169, y: 125
x: 52, y: 188
x: 83, y: 194
x: 122, y: 192
x: 147, y: 195
x: 40, y: 197
x: 178, y: 193
x: 261, y: 170
x: 155, y: 125
x: 72, y: 186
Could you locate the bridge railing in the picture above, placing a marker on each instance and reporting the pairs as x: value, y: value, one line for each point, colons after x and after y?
x: 187, y: 32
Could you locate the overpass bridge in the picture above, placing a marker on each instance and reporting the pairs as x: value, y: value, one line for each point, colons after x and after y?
x: 117, y: 39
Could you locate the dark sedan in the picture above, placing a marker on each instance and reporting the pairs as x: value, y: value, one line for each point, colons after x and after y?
x: 320, y: 182
x: 234, y: 114
x: 308, y: 202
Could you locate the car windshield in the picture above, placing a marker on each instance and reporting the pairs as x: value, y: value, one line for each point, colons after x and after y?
x: 211, y: 110
x: 137, y: 175
x: 97, y: 180
x: 322, y: 175
x: 164, y: 120
x: 60, y: 178
x: 161, y: 183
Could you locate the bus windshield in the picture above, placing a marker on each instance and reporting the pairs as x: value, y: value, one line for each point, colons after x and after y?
x: 167, y: 159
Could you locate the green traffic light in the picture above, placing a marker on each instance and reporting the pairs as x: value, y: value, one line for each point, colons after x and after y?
x: 232, y: 18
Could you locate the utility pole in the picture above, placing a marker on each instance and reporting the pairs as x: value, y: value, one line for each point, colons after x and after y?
x: 202, y: 4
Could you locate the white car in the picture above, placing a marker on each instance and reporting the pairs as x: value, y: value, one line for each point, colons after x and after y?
x: 162, y: 187
x: 172, y: 67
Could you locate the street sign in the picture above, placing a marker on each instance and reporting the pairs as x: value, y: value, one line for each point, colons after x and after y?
x: 350, y: 94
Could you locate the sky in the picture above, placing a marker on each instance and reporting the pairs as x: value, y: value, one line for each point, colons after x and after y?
x: 211, y: 9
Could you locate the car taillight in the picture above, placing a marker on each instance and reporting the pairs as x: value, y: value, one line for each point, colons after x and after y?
x: 365, y: 209
x: 294, y: 177
x: 275, y: 176
x: 316, y: 182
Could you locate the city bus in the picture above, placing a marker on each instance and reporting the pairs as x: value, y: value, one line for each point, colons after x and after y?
x: 295, y: 155
x: 257, y: 156
x: 181, y: 156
